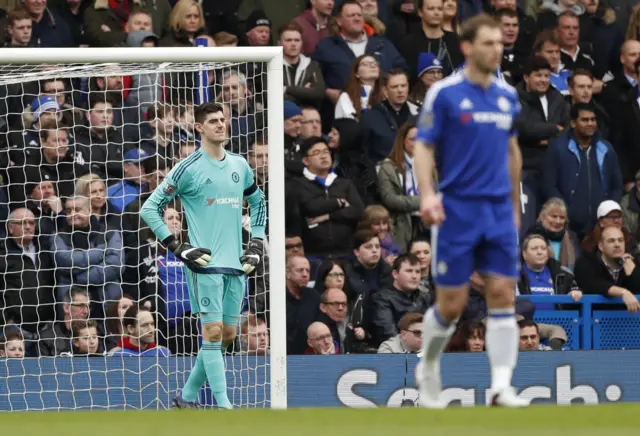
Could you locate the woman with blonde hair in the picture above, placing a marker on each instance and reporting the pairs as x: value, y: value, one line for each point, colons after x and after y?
x: 186, y: 23
x: 377, y: 219
x: 553, y: 225
x: 93, y: 187
x: 399, y: 187
x: 363, y: 89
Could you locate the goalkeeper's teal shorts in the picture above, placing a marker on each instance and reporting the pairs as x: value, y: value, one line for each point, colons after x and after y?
x: 216, y: 297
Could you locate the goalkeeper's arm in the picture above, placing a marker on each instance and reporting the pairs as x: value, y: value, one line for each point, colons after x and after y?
x: 258, y: 210
x: 151, y: 213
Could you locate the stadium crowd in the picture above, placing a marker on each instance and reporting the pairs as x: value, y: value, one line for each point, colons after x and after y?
x: 83, y: 275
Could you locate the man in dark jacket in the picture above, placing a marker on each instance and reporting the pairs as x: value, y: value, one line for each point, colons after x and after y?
x: 335, y: 54
x: 366, y: 272
x: 25, y: 266
x: 303, y: 304
x: 329, y: 206
x: 582, y: 169
x: 56, y: 337
x: 389, y: 305
x: 381, y: 124
x: 611, y: 271
x: 49, y: 28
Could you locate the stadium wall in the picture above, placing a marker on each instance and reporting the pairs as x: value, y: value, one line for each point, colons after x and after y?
x: 318, y: 381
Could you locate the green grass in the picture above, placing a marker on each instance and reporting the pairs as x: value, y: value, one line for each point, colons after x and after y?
x: 603, y: 420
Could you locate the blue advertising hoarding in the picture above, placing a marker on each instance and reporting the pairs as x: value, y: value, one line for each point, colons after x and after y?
x: 315, y: 381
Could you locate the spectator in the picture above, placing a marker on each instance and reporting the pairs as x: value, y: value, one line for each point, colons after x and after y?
x: 513, y: 58
x: 254, y: 337
x: 314, y: 23
x: 258, y: 28
x: 429, y: 72
x: 543, y: 275
x: 99, y: 144
x: 112, y: 89
x: 258, y: 158
x: 530, y: 336
x: 377, y: 219
x: 85, y: 339
x: 12, y: 345
x: 363, y: 90
x: 186, y: 23
x: 389, y: 305
x: 582, y: 170
x: 246, y: 118
x: 292, y: 128
x: 431, y: 37
x: 409, y: 340
x: 329, y: 206
x: 380, y: 125
x: 311, y: 123
x: 59, y: 90
x: 477, y: 304
x: 115, y: 313
x: 86, y: 253
x: 450, y: 16
x: 145, y: 88
x: 611, y: 271
x: 225, y: 39
x: 553, y: 225
x: 25, y: 266
x: 330, y: 275
x: 157, y: 134
x: 19, y: 28
x: 580, y: 84
x: 335, y: 54
x: 609, y: 213
x: 138, y: 21
x: 92, y: 187
x: 293, y: 246
x: 551, y: 10
x: 468, y: 337
x: 421, y: 248
x: 139, y: 337
x: 572, y: 55
x: 303, y: 304
x: 134, y: 183
x: 334, y: 305
x: 544, y: 115
x: 56, y: 337
x: 303, y: 81
x: 630, y: 204
x: 49, y: 29
x: 72, y: 12
x: 399, y: 186
x: 366, y: 272
x: 320, y: 340
x: 601, y: 29
x: 527, y: 27
x: 547, y: 46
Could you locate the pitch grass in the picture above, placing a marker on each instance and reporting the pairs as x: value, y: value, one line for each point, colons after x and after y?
x: 602, y: 420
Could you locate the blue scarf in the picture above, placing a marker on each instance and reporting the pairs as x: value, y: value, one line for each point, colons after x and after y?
x: 410, y: 182
x: 325, y: 183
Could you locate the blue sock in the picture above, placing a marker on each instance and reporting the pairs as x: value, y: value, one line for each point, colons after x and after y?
x: 195, y: 381
x: 213, y: 363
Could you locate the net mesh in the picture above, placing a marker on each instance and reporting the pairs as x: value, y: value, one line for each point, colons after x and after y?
x: 71, y: 267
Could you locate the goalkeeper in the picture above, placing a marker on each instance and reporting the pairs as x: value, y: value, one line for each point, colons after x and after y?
x: 211, y: 184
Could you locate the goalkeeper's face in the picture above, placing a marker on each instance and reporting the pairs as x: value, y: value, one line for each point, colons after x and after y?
x: 213, y: 129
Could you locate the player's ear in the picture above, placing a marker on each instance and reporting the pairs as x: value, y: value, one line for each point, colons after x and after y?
x: 573, y: 124
x: 198, y: 127
x: 465, y: 46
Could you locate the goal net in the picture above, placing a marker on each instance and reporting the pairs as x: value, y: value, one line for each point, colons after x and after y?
x: 94, y: 312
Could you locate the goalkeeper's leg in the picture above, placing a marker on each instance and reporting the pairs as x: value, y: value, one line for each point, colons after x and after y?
x: 231, y: 306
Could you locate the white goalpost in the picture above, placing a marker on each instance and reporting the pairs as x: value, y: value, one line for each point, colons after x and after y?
x: 144, y: 98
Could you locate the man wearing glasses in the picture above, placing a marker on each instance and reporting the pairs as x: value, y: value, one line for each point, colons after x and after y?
x: 409, y: 340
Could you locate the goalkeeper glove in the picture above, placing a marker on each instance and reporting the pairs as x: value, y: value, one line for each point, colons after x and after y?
x: 192, y: 257
x: 252, y: 255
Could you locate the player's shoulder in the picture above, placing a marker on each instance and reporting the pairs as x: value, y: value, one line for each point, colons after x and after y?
x: 236, y: 157
x: 186, y: 165
x: 506, y: 88
x: 450, y: 85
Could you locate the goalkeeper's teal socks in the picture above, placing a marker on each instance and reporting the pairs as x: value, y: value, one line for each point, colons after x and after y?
x: 195, y: 381
x: 213, y: 362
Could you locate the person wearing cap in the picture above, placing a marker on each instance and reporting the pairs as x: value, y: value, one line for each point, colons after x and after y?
x: 329, y: 205
x: 630, y: 204
x: 582, y: 169
x: 610, y: 271
x: 258, y: 29
x: 429, y: 72
x: 134, y: 182
x: 609, y: 213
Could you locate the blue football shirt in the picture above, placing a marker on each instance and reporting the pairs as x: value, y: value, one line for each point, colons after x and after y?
x: 469, y: 127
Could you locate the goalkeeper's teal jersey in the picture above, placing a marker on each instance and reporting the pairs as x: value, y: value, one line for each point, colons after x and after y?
x: 211, y: 193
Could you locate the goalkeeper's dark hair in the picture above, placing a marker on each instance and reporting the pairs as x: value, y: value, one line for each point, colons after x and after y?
x: 201, y: 112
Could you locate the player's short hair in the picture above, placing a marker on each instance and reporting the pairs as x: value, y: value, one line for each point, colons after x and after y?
x: 578, y: 72
x: 409, y: 258
x: 201, y: 112
x: 48, y: 127
x: 362, y: 237
x: 528, y: 323
x: 225, y: 38
x: 581, y: 107
x: 78, y: 326
x: 346, y: 3
x: 471, y: 27
x: 544, y: 37
x: 535, y: 63
x: 409, y: 319
x: 505, y: 12
x: 290, y: 27
x: 18, y: 15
